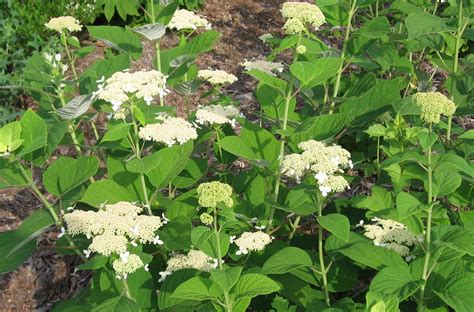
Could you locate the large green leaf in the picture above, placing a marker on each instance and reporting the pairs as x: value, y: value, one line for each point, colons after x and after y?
x: 226, y: 278
x: 458, y: 292
x: 460, y: 239
x: 10, y: 137
x: 375, y: 28
x: 286, y: 260
x: 337, y: 224
x: 195, y: 288
x: 420, y: 24
x: 118, y: 304
x: 373, y: 256
x: 319, y: 128
x: 395, y: 280
x: 118, y: 38
x: 167, y: 163
x: 316, y: 72
x: 204, y: 238
x: 201, y: 43
x: 445, y: 181
x: 66, y: 173
x: 177, y: 233
x: 252, y: 285
x: 34, y: 132
x: 11, y: 175
x: 17, y: 245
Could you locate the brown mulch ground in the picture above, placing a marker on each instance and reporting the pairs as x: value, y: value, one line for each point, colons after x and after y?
x: 46, y: 277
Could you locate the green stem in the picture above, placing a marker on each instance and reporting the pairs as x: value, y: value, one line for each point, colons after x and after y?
x: 158, y: 66
x: 343, y: 55
x: 425, y: 274
x: 51, y: 209
x: 152, y: 8
x: 295, y: 227
x: 321, y: 257
x: 459, y: 32
x: 228, y: 306
x: 69, y: 55
x: 126, y: 289
x: 288, y: 97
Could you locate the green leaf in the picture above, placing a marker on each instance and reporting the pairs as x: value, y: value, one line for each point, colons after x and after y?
x: 303, y: 71
x: 337, y: 224
x: 427, y: 139
x: 108, y: 191
x: 458, y: 292
x: 227, y: 278
x: 459, y: 239
x: 201, y: 43
x: 66, y: 173
x: 376, y: 28
x: 419, y: 24
x: 395, y: 281
x: 75, y: 107
x: 379, y: 199
x: 116, y: 132
x: 376, y: 130
x: 11, y: 175
x: 151, y: 31
x: 95, y: 263
x: 458, y: 164
x: 192, y: 173
x: 167, y: 163
x: 408, y: 205
x: 55, y: 135
x: 34, y: 132
x: 117, y: 304
x: 196, y: 288
x: 445, y: 181
x: 319, y: 128
x: 204, y: 238
x: 17, y: 245
x: 118, y: 38
x: 252, y: 285
x: 177, y: 233
x: 167, y: 288
x: 315, y: 73
x: 373, y: 256
x: 286, y: 260
x: 468, y: 135
x: 10, y: 137
x: 123, y: 7
x: 269, y: 80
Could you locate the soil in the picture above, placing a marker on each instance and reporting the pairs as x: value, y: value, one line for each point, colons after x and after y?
x: 46, y: 278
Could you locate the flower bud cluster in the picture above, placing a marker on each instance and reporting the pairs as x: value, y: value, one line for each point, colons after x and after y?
x: 433, y: 105
x: 300, y: 15
x: 391, y: 235
x: 217, y: 115
x: 113, y: 229
x: 195, y: 259
x: 216, y: 76
x: 169, y: 131
x: 251, y: 241
x: 122, y: 86
x: 212, y: 193
x: 62, y: 23
x: 184, y: 19
x: 324, y: 162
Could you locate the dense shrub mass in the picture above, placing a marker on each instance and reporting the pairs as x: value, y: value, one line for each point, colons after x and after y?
x: 348, y: 188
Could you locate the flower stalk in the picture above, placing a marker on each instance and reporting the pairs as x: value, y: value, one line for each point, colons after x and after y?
x: 324, y: 270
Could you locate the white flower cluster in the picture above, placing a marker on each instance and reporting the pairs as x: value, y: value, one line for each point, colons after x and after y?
x: 391, y: 235
x: 121, y: 86
x: 433, y: 105
x: 184, y: 19
x: 325, y: 162
x: 195, y: 259
x: 170, y: 131
x: 251, y: 241
x: 217, y: 115
x: 113, y: 229
x: 300, y: 15
x: 61, y: 23
x: 127, y: 264
x: 216, y: 76
x: 267, y: 67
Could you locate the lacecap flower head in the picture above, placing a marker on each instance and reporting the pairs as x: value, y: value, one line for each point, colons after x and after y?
x: 300, y: 15
x: 127, y: 264
x: 169, y: 130
x: 123, y: 86
x: 252, y: 241
x: 391, y: 235
x: 62, y: 23
x: 195, y: 259
x: 113, y: 229
x: 216, y: 76
x: 217, y: 115
x: 326, y: 163
x: 433, y: 105
x: 184, y: 19
x: 212, y: 193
